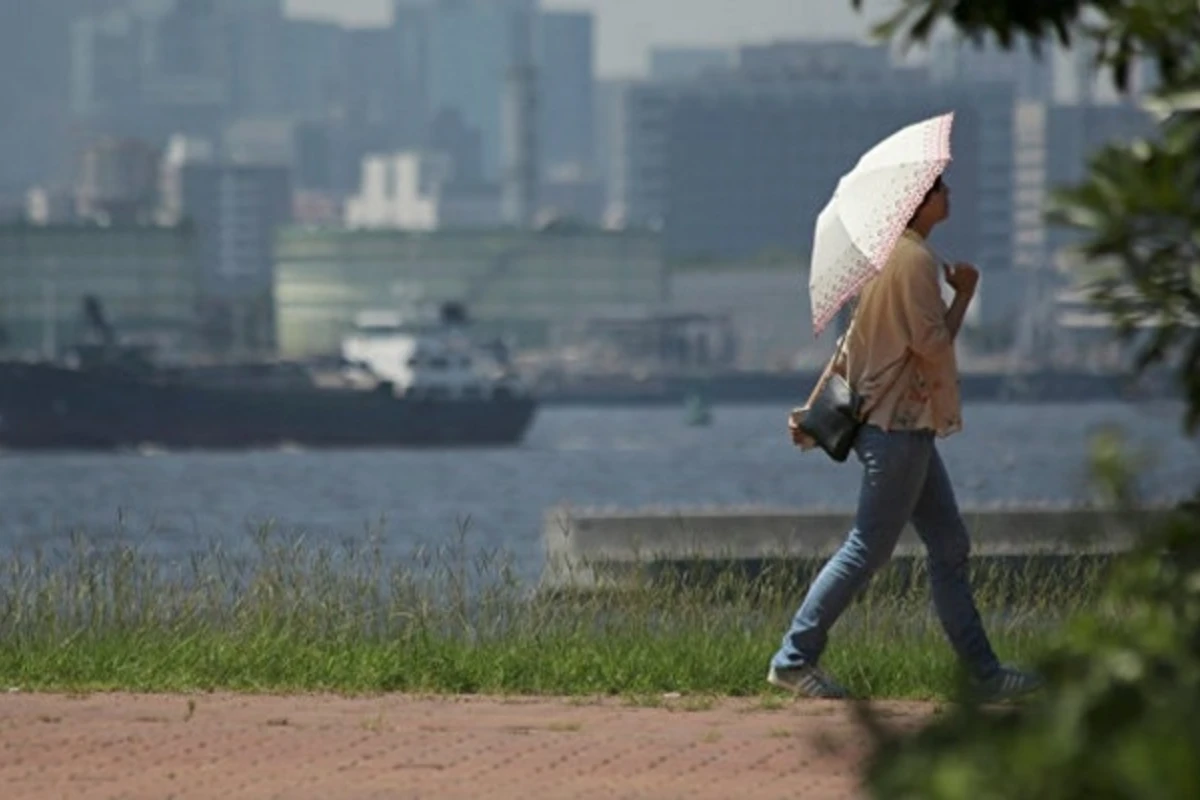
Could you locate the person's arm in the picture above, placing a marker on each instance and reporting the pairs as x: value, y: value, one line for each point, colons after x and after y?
x: 956, y: 313
x: 932, y: 326
x: 964, y: 279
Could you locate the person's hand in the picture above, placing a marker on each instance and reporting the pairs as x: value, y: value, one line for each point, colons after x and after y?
x: 799, y: 437
x: 962, y: 277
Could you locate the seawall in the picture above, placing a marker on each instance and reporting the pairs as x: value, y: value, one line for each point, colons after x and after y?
x: 589, y: 548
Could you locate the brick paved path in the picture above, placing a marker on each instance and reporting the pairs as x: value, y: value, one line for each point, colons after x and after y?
x: 331, y: 748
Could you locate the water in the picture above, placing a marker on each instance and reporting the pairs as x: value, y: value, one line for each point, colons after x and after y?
x: 173, y: 503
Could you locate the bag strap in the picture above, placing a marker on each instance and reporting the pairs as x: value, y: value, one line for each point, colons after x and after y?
x: 838, y: 350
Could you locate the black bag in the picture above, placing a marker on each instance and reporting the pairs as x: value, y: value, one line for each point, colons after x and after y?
x: 834, y: 417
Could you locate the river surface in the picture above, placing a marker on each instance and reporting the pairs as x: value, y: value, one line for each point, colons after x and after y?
x: 172, y: 503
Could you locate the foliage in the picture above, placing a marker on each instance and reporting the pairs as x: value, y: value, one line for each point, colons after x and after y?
x: 1124, y: 31
x: 1140, y: 212
x: 1117, y: 719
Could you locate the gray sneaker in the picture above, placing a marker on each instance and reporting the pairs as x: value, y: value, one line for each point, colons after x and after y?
x: 1006, y: 684
x: 807, y: 681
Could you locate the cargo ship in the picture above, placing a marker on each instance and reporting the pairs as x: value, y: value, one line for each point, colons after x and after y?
x: 398, y: 382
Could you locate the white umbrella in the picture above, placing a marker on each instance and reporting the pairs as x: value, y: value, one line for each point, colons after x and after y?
x: 870, y: 207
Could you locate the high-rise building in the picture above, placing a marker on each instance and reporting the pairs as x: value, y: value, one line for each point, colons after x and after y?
x: 410, y: 44
x: 1054, y: 74
x: 371, y: 85
x: 187, y: 75
x: 637, y: 121
x: 119, y: 182
x: 313, y: 149
x: 449, y: 134
x: 314, y: 55
x: 740, y: 165
x: 953, y: 59
x: 519, y: 186
x: 468, y: 53
x: 611, y: 135
x: 565, y: 57
x: 153, y: 68
x: 834, y: 60
x: 994, y: 107
x: 1078, y: 76
x: 35, y: 89
x: 106, y: 72
x: 237, y: 210
x: 257, y: 46
x: 688, y: 63
x: 1030, y: 247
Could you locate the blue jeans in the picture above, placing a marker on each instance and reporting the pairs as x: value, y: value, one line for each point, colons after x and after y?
x: 903, y: 479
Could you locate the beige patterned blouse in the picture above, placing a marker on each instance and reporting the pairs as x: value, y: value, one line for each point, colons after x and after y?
x: 901, y: 312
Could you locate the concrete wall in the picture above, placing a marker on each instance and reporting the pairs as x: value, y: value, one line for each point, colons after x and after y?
x: 581, y: 545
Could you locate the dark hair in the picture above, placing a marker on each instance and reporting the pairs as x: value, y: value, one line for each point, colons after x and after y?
x: 937, y: 184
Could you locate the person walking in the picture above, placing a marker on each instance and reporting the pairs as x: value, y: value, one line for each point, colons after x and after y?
x: 898, y: 354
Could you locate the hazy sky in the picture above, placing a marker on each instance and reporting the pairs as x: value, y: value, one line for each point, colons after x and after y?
x: 626, y: 29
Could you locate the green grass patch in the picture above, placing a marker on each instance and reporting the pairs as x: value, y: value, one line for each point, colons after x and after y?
x: 296, y: 617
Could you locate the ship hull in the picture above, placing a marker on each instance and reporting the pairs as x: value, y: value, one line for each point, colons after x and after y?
x: 44, y: 407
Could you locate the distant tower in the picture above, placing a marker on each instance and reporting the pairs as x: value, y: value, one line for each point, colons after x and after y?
x: 520, y: 188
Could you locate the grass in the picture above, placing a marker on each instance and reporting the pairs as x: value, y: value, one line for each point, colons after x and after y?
x: 296, y: 617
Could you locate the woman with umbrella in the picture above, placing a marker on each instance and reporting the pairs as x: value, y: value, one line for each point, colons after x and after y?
x: 890, y: 391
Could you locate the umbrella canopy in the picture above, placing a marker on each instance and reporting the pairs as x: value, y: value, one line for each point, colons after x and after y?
x: 872, y: 204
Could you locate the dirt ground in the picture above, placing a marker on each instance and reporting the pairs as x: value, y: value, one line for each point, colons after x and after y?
x: 334, y: 748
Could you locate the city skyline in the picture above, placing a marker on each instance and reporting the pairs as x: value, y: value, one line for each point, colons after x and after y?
x: 626, y: 30
x: 132, y: 114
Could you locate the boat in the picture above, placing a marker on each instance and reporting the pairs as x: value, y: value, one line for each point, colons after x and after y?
x: 396, y: 383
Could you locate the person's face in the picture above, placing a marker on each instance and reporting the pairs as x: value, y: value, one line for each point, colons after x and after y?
x: 938, y: 204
